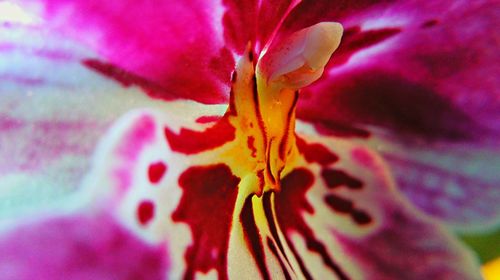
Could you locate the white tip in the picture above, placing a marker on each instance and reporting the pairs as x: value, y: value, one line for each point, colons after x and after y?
x: 299, y: 59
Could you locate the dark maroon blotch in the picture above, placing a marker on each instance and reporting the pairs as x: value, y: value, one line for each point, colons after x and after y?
x: 335, y: 178
x: 206, y: 206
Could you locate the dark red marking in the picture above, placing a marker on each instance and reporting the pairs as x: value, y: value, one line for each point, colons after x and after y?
x: 253, y: 238
x: 288, y: 124
x: 156, y: 171
x: 271, y: 246
x: 268, y: 210
x: 145, y: 212
x: 338, y: 128
x: 381, y: 98
x: 234, y: 76
x: 268, y: 165
x: 361, y: 217
x: 339, y: 204
x: 258, y: 113
x: 206, y: 205
x: 251, y: 145
x: 346, y: 206
x: 315, y: 152
x: 128, y: 79
x: 429, y: 23
x: 291, y: 204
x: 208, y: 119
x: 232, y: 105
x: 335, y: 178
x: 260, y: 175
x: 191, y: 142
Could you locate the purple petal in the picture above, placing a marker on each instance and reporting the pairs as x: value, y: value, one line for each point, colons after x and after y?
x: 79, y: 247
x: 348, y: 219
x: 420, y: 78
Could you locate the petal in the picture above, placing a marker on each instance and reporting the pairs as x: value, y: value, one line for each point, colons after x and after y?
x: 161, y: 44
x: 53, y: 111
x: 163, y: 190
x: 67, y: 247
x: 346, y: 219
x: 419, y: 78
x: 159, y: 190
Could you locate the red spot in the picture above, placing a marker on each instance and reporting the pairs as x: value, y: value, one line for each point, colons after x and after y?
x: 145, y: 212
x: 208, y: 119
x: 251, y: 145
x: 156, y: 171
x: 191, y: 142
x: 207, y: 204
x: 291, y: 205
x: 335, y: 178
x: 316, y: 152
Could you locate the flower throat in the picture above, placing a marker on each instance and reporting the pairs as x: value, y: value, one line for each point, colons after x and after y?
x: 264, y: 95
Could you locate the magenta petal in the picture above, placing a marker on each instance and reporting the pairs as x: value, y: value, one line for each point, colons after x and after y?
x: 251, y: 21
x: 165, y: 42
x: 421, y: 78
x: 79, y: 247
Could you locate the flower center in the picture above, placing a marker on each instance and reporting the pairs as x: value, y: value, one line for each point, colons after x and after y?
x: 264, y: 95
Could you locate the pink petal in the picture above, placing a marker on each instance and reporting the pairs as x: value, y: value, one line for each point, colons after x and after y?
x: 158, y: 45
x: 79, y: 247
x: 53, y: 112
x: 251, y: 21
x: 421, y: 75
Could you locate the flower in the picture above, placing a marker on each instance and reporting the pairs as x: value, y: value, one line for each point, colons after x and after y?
x: 395, y: 143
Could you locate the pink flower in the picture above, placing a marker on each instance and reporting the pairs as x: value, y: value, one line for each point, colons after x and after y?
x: 394, y: 148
